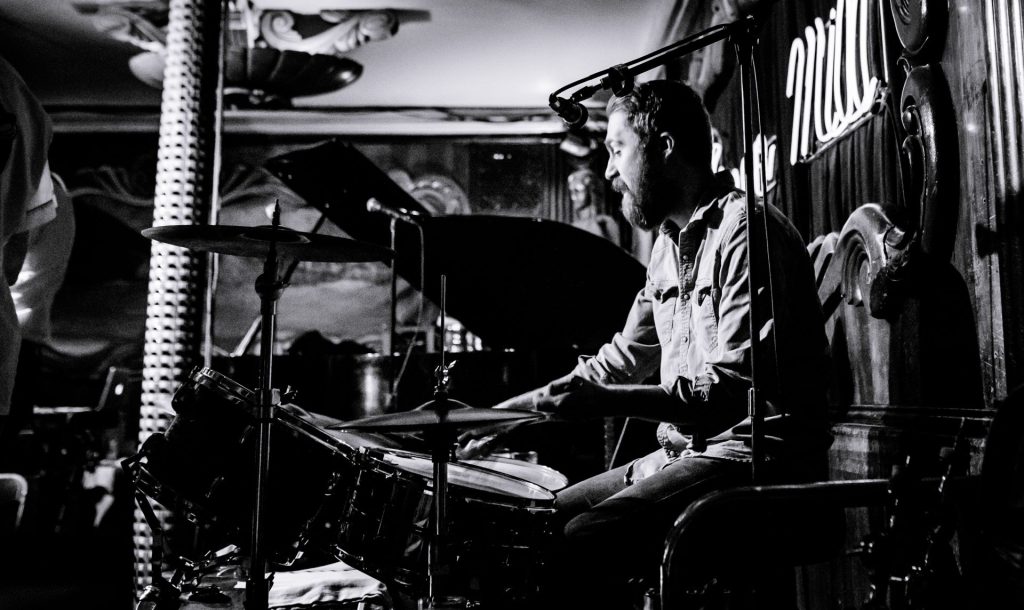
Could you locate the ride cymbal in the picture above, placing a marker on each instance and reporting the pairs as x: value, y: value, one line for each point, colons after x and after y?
x: 255, y: 242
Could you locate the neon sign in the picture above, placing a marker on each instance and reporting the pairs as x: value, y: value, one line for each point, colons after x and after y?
x: 765, y: 162
x: 829, y: 77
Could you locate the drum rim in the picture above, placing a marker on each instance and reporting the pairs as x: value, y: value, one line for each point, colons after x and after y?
x: 508, y: 460
x: 564, y: 480
x: 208, y: 377
x: 548, y: 496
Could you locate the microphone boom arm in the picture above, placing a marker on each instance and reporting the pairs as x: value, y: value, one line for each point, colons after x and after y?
x: 617, y: 76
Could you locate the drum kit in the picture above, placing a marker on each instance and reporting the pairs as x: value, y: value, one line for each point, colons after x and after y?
x: 275, y: 481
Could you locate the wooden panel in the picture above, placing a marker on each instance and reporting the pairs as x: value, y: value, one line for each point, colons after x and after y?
x: 1000, y: 242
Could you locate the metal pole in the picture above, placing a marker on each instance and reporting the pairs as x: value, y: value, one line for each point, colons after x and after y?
x: 268, y: 286
x: 213, y: 262
x: 393, y: 321
x: 744, y: 43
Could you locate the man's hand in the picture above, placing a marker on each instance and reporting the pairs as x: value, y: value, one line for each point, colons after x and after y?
x: 478, y: 441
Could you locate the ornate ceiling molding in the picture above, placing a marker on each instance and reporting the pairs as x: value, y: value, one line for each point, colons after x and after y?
x: 342, y: 31
x: 272, y: 55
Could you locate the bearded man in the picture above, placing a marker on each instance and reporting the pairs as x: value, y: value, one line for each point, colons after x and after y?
x: 689, y: 325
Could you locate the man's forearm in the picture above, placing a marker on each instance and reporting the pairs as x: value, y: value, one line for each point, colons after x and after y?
x: 526, y: 400
x: 649, y: 402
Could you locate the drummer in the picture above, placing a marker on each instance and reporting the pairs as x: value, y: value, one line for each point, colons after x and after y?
x: 690, y: 324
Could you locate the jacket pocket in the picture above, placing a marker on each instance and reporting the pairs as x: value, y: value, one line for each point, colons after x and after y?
x: 706, y: 317
x: 663, y: 295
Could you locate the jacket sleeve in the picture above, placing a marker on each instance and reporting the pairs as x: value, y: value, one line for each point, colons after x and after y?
x: 632, y: 355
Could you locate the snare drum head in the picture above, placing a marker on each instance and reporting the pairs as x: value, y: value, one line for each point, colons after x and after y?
x: 466, y: 477
x: 548, y: 478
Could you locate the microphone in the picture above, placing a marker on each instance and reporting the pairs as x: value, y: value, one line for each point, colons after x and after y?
x: 372, y: 205
x: 574, y: 114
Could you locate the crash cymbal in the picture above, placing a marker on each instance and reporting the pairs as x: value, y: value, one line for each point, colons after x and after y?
x: 255, y: 242
x: 459, y: 415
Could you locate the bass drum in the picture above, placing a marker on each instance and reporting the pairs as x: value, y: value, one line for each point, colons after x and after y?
x: 202, y: 466
x: 497, y: 527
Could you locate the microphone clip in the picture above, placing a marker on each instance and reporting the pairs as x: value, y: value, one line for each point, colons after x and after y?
x: 619, y: 80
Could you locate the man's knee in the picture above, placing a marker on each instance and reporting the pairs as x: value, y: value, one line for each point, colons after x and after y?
x: 614, y: 519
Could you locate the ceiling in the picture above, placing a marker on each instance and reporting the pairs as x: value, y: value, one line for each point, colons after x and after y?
x: 500, y: 54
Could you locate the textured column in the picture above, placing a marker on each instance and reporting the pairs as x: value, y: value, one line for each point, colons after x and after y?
x: 183, y: 185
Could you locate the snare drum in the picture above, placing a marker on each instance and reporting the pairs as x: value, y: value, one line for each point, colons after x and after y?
x: 203, y: 465
x: 496, y: 532
x: 548, y: 478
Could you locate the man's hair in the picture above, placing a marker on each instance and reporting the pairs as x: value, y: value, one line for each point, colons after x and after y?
x: 671, y: 106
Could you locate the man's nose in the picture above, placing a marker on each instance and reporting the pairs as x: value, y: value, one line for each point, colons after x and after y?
x: 610, y: 171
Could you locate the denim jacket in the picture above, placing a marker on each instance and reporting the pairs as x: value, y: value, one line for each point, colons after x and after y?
x: 690, y: 324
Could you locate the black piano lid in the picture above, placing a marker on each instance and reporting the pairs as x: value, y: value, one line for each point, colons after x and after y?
x: 516, y: 282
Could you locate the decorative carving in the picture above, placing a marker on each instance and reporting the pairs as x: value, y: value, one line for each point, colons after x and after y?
x: 929, y: 148
x: 440, y: 194
x: 272, y: 55
x: 861, y: 252
x: 929, y: 167
x: 919, y: 23
x: 140, y: 27
x: 345, y: 30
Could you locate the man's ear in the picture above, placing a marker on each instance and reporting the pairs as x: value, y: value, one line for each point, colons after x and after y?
x: 666, y: 144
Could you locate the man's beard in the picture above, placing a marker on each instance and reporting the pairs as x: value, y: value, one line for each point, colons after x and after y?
x: 647, y: 205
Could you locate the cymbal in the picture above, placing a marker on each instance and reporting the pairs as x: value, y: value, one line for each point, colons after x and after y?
x: 255, y: 242
x: 459, y: 415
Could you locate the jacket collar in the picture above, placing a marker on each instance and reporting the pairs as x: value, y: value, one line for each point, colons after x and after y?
x: 709, y: 211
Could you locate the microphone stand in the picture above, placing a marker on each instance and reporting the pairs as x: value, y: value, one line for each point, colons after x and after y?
x: 619, y: 79
x: 393, y: 321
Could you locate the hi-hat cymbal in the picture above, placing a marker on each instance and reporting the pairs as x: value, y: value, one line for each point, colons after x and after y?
x: 255, y: 242
x: 458, y: 415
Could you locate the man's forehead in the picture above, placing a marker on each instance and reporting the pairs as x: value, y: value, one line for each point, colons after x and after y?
x: 618, y: 127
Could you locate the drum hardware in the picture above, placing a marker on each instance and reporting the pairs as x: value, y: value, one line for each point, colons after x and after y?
x: 185, y: 579
x: 268, y: 242
x: 250, y: 333
x: 439, y: 418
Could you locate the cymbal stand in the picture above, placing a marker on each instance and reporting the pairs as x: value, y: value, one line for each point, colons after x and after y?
x: 269, y: 287
x: 441, y: 447
x: 257, y: 324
